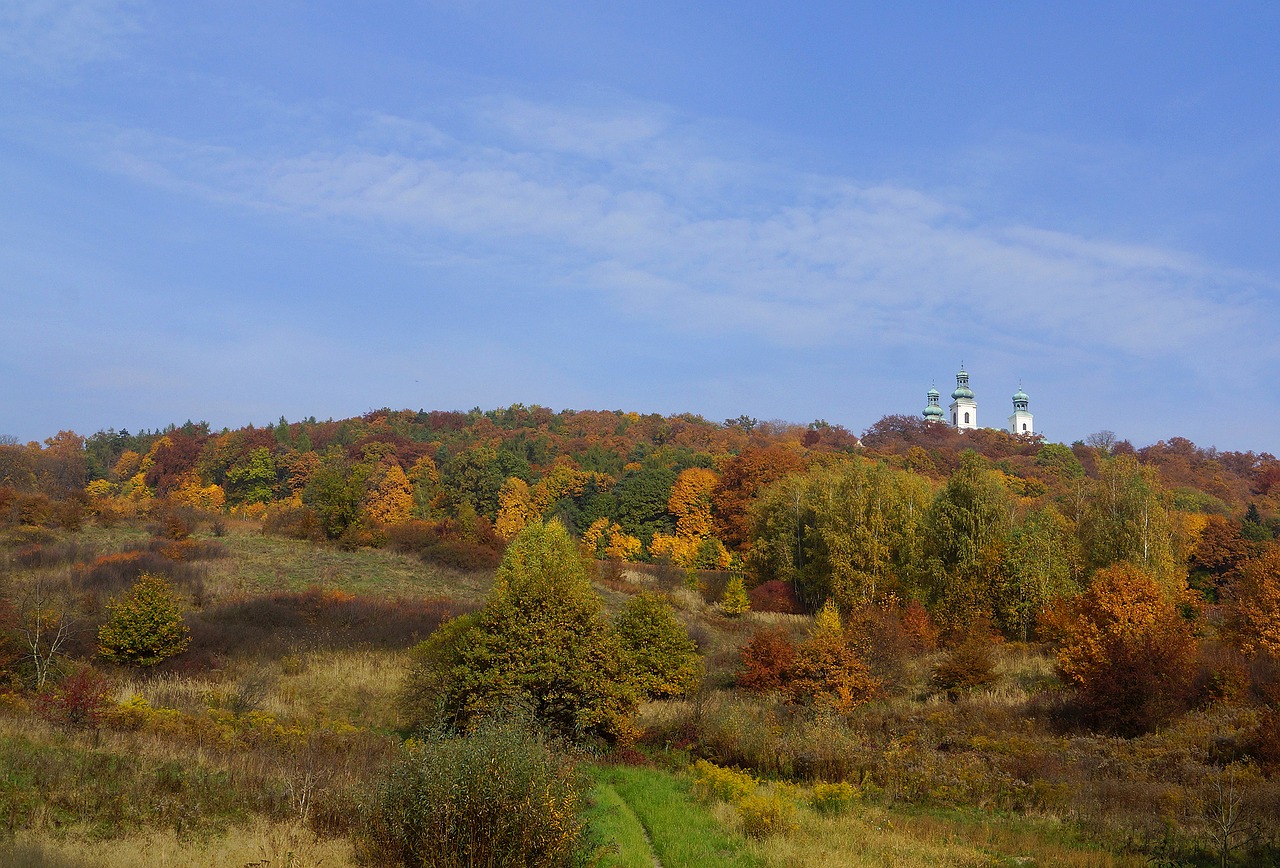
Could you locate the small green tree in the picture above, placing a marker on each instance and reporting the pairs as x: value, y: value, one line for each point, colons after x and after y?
x: 542, y: 640
x: 145, y: 626
x: 664, y: 660
x: 734, y: 601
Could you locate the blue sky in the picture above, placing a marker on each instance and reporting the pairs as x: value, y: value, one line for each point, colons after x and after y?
x: 233, y: 211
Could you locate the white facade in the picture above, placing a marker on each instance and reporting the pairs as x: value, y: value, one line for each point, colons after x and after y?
x: 1020, y: 422
x: 964, y: 407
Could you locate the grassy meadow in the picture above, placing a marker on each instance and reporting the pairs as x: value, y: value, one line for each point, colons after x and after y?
x: 262, y: 744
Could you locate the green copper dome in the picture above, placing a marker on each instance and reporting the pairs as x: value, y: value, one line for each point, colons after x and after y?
x: 1020, y: 397
x: 962, y: 391
x: 934, y: 393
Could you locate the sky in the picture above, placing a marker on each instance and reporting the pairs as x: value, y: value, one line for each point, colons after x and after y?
x: 237, y: 211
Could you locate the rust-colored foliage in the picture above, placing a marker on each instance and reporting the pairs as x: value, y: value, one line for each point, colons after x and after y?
x: 775, y: 596
x: 1220, y: 547
x: 918, y: 628
x: 741, y: 478
x: 766, y: 661
x: 1128, y: 651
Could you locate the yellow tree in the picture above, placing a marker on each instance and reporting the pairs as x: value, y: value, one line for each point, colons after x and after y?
x: 690, y: 502
x: 515, y: 508
x: 390, y: 498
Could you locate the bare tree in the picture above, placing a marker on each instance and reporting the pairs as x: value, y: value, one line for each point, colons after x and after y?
x: 45, y: 629
x: 1104, y: 441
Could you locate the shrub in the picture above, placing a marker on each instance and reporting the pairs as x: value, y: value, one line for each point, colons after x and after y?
x: 78, y: 701
x: 1128, y: 651
x: 497, y: 797
x: 663, y: 659
x: 969, y: 666
x: 833, y: 798
x: 775, y: 596
x: 734, y: 601
x: 766, y: 814
x: 712, y: 782
x: 145, y: 627
x: 766, y: 660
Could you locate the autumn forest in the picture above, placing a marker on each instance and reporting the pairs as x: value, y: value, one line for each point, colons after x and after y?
x: 916, y: 645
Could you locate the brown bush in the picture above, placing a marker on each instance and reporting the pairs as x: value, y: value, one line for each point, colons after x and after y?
x: 969, y: 666
x: 449, y: 543
x: 775, y: 596
x: 1128, y: 651
x: 766, y: 660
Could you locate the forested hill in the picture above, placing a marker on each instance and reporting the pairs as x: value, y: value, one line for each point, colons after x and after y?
x: 902, y: 510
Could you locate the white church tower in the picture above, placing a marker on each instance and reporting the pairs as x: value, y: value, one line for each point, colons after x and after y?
x: 964, y: 409
x: 1020, y: 421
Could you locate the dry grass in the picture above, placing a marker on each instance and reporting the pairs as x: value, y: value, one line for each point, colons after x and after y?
x: 260, y: 844
x: 356, y: 686
x: 873, y: 836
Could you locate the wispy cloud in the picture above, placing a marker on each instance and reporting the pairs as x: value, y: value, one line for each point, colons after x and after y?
x: 636, y: 205
x: 43, y: 38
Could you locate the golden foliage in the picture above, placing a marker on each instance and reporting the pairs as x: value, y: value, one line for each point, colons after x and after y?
x: 690, y: 502
x: 515, y: 508
x: 390, y: 500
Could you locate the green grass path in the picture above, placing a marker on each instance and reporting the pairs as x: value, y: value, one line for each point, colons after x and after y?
x: 681, y: 832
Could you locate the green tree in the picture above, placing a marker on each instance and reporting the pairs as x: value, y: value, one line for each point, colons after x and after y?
x: 542, y: 640
x: 849, y: 530
x: 335, y: 492
x: 253, y: 478
x: 663, y: 659
x: 734, y: 601
x: 966, y: 530
x: 145, y: 626
x: 1125, y: 520
x: 1042, y: 563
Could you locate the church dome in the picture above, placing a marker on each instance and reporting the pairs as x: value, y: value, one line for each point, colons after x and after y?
x: 934, y: 393
x: 933, y: 410
x: 1020, y: 397
x: 962, y: 391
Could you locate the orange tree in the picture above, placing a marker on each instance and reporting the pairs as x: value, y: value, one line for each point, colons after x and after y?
x: 1127, y: 649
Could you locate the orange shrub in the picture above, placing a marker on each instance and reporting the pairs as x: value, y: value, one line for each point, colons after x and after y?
x: 1128, y: 651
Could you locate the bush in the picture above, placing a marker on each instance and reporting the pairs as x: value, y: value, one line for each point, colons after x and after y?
x: 663, y: 659
x: 775, y: 596
x: 145, y: 627
x: 1128, y: 651
x: 497, y: 797
x: 78, y: 701
x: 833, y: 798
x: 712, y: 782
x: 766, y: 660
x: 969, y: 666
x: 766, y: 814
x: 735, y: 602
